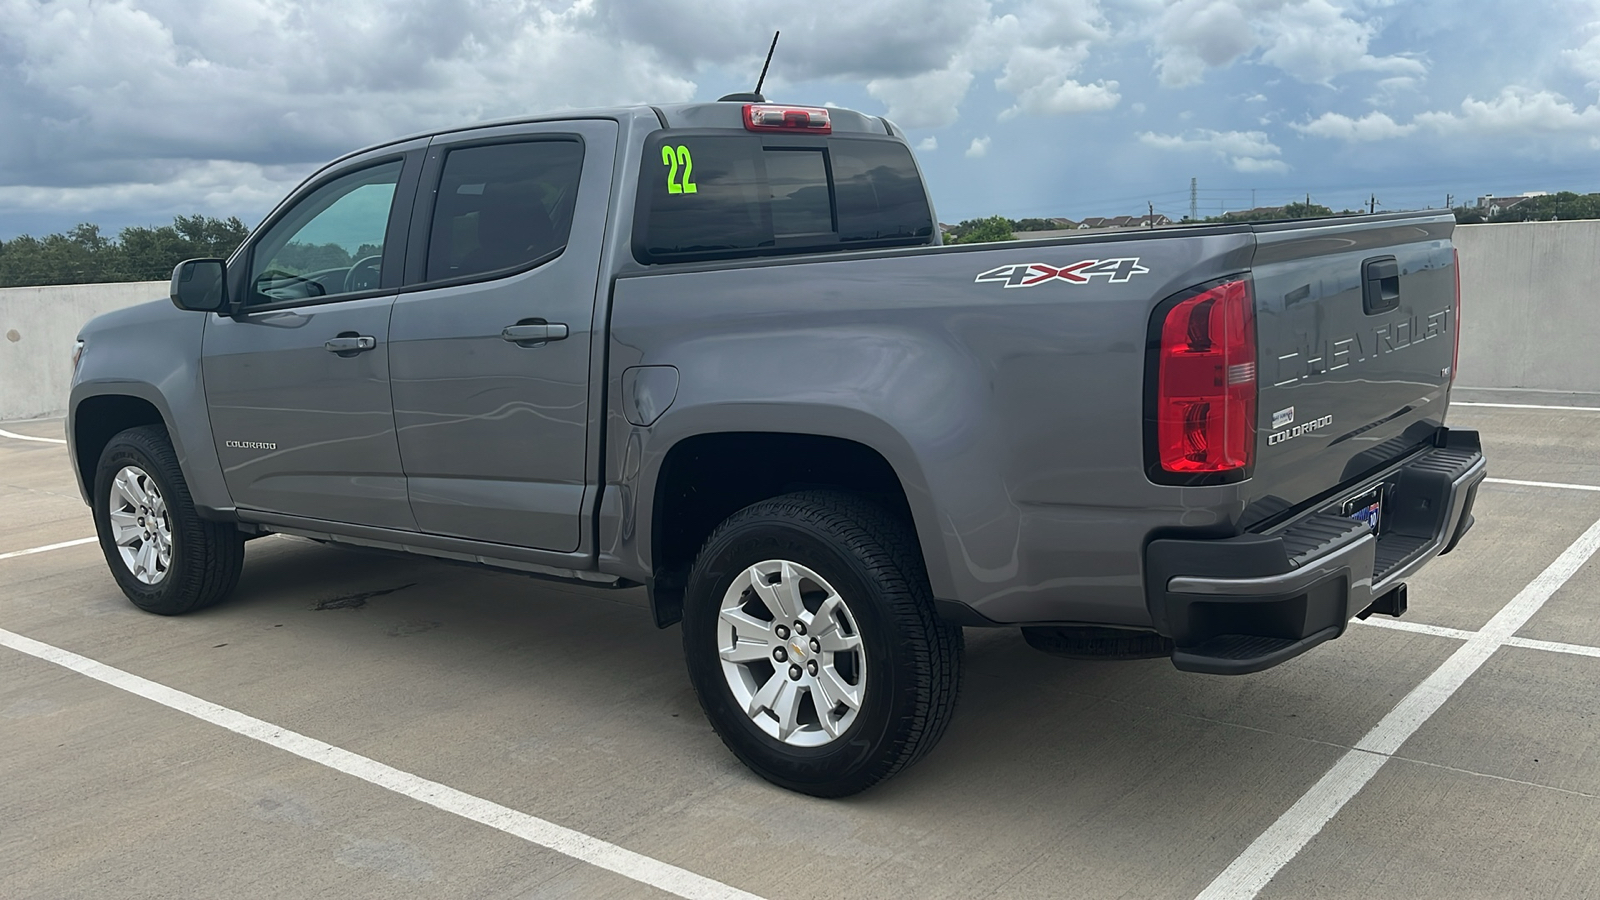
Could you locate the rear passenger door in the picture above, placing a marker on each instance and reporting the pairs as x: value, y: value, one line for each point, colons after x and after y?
x: 490, y: 338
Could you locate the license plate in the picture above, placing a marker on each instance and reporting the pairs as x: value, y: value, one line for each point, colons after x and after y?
x: 1367, y: 509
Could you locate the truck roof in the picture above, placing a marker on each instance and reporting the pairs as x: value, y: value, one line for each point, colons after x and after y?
x: 712, y: 114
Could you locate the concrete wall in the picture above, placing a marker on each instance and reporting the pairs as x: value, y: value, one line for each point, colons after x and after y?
x: 1530, y: 301
x: 1530, y: 305
x: 37, y: 328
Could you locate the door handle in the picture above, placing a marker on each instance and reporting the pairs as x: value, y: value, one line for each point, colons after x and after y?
x: 350, y: 344
x: 1380, y: 285
x: 534, y: 333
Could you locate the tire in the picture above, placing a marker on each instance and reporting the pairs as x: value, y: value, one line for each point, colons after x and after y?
x: 810, y: 548
x: 175, y: 562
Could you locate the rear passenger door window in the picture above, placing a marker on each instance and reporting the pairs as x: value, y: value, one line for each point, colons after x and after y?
x: 503, y: 208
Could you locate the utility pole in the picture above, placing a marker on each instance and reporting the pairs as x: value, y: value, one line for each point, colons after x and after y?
x: 1449, y: 201
x: 1194, y: 199
x: 1151, y: 221
x: 1372, y: 205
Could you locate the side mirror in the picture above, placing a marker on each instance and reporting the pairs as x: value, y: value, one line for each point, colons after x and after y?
x: 200, y: 285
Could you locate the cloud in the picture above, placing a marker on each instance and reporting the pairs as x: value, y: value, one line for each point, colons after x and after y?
x: 929, y: 100
x: 1038, y: 78
x: 1516, y: 111
x: 1192, y: 36
x: 1374, y: 126
x: 928, y: 144
x: 1245, y: 151
x: 978, y: 148
x: 1313, y: 41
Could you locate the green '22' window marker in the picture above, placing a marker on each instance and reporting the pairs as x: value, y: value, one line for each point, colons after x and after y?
x: 673, y: 157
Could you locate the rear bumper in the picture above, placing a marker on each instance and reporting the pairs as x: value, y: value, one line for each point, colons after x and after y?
x: 1248, y: 603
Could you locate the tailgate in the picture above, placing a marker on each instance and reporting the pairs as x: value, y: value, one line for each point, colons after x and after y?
x: 1356, y: 331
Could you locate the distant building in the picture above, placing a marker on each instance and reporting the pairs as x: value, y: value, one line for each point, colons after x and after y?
x: 1094, y: 222
x: 1491, y: 205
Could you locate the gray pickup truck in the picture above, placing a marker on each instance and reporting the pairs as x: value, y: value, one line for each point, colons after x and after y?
x: 716, y: 349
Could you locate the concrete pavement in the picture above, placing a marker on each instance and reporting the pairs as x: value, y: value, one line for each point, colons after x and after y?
x: 1057, y: 778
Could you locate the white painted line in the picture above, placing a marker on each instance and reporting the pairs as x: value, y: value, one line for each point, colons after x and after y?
x: 1553, y: 647
x: 1284, y: 839
x: 1545, y: 484
x: 1418, y: 628
x: 1528, y: 406
x: 1460, y: 635
x: 29, y: 437
x: 532, y: 829
x: 48, y: 547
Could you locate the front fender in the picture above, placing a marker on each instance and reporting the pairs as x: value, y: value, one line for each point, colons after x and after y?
x: 151, y: 353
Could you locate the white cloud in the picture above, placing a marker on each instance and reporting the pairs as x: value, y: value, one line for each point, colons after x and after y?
x: 929, y: 100
x: 1374, y: 126
x: 978, y: 148
x: 1516, y: 111
x: 1246, y: 151
x: 928, y: 144
x: 1038, y: 77
x: 1585, y: 60
x: 1194, y: 35
x: 1249, y: 164
x: 1314, y: 41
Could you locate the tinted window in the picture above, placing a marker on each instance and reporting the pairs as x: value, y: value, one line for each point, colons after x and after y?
x: 706, y: 196
x: 502, y: 207
x: 330, y: 242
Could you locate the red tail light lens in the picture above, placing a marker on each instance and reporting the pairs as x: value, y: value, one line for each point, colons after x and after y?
x: 1455, y: 358
x: 1206, y: 384
x: 804, y: 119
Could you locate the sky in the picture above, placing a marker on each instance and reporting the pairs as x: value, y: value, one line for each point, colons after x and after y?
x: 128, y: 112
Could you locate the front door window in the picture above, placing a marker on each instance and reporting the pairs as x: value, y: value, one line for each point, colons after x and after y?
x: 330, y: 244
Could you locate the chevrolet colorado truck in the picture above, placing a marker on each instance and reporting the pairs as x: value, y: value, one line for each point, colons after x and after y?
x: 716, y: 349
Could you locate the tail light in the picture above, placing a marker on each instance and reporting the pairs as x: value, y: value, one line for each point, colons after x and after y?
x: 1206, y: 382
x: 1455, y: 358
x: 802, y: 119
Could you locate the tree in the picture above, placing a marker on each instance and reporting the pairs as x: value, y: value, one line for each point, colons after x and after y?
x: 977, y: 231
x: 83, y: 255
x: 1305, y: 211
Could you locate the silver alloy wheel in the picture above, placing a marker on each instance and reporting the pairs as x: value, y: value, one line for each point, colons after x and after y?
x: 791, y: 653
x: 140, y: 526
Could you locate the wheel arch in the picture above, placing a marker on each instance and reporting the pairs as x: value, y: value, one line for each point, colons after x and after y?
x: 754, y: 464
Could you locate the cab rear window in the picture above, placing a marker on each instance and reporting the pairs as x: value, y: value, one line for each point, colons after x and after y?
x: 716, y: 195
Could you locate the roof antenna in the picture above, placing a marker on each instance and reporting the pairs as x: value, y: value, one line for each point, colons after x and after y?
x: 756, y: 97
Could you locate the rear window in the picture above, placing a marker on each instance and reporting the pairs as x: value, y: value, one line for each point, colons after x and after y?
x: 716, y: 195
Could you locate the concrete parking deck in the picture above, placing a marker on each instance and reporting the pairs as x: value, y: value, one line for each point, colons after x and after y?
x: 563, y: 719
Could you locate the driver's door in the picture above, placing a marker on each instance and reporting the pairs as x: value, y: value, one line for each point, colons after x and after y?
x: 297, y: 378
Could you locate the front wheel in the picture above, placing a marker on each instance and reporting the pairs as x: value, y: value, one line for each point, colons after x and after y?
x: 166, y: 559
x: 812, y: 643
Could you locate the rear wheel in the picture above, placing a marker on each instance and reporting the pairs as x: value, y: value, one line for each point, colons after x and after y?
x: 812, y: 643
x: 166, y: 559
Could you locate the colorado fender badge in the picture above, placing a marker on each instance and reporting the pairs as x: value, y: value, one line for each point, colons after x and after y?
x: 1024, y: 275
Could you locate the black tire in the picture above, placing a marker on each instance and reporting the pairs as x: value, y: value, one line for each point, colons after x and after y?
x: 913, y: 658
x: 206, y: 556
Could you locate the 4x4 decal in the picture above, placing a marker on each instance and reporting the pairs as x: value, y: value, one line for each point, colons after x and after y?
x: 1035, y: 274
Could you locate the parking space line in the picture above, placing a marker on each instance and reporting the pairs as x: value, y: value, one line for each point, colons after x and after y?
x: 1553, y: 646
x: 534, y: 830
x: 1285, y: 838
x: 1528, y: 406
x: 48, y: 547
x: 1545, y: 484
x: 29, y: 437
x: 1418, y: 628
